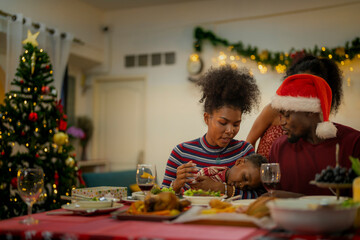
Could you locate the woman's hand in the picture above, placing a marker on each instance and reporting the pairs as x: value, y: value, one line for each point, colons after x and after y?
x: 185, y: 174
x: 206, y: 183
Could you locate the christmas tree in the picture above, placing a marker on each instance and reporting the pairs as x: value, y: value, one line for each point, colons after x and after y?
x: 32, y: 134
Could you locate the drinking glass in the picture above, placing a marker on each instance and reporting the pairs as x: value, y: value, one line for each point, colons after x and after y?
x: 145, y: 177
x: 30, y: 184
x: 270, y: 176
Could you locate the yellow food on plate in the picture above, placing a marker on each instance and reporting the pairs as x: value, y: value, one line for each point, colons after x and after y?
x: 218, y: 206
x: 258, y: 208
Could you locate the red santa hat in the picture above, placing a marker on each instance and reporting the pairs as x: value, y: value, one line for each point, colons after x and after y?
x: 307, y: 93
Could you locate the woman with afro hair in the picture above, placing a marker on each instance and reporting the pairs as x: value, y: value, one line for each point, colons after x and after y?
x: 227, y: 94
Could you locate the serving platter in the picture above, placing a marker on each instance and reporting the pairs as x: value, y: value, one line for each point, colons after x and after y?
x: 90, y: 210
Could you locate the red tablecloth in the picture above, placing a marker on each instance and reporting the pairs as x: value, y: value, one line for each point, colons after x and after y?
x: 105, y: 227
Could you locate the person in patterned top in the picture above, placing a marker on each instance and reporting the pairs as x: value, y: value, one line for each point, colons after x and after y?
x: 244, y: 175
x: 227, y: 93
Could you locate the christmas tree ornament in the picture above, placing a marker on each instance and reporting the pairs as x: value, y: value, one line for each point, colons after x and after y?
x: 31, y: 38
x: 47, y: 67
x: 70, y: 162
x: 14, y: 182
x: 45, y: 90
x: 2, y: 152
x: 33, y: 117
x: 37, y: 155
x: 22, y: 133
x: 33, y: 59
x: 56, y: 178
x: 60, y: 138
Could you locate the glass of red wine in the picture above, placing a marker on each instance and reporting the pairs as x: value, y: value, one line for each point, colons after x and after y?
x: 146, y: 177
x: 270, y: 176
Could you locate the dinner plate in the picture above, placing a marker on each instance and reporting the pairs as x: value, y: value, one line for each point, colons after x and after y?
x: 129, y: 200
x: 86, y: 210
x: 243, y: 202
x: 138, y: 195
x: 201, y: 200
x: 324, y: 197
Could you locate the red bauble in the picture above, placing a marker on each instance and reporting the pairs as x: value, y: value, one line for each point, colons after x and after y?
x: 47, y: 67
x: 33, y: 116
x: 37, y: 155
x: 56, y: 178
x: 45, y: 90
x: 21, y: 81
x: 14, y: 182
x: 22, y: 133
x: 3, y: 153
x: 62, y: 125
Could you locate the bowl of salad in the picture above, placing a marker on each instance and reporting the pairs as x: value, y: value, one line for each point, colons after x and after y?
x: 201, y: 197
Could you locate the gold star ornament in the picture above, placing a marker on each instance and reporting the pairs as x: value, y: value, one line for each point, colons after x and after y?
x: 31, y: 38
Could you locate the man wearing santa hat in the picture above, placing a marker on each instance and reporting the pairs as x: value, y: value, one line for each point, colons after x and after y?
x: 309, y: 143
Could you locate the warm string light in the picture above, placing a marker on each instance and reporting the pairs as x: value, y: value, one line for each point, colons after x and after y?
x: 223, y: 59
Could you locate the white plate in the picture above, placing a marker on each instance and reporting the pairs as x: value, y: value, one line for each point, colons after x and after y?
x: 129, y: 199
x: 138, y: 195
x: 85, y: 210
x: 93, y: 204
x: 325, y: 197
x: 243, y: 202
x: 201, y: 200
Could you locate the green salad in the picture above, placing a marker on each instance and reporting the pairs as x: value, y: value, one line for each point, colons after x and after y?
x: 157, y: 190
x: 200, y: 192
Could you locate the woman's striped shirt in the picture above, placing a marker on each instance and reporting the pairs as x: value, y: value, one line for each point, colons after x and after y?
x: 200, y: 152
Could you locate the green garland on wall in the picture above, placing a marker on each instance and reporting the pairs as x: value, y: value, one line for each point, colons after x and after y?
x: 276, y: 59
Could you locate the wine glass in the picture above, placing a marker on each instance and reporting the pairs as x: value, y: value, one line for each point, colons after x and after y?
x: 145, y: 177
x: 30, y: 184
x: 270, y: 176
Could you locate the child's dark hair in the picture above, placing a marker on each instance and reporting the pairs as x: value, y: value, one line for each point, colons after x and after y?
x: 256, y: 159
x: 227, y: 86
x: 324, y: 68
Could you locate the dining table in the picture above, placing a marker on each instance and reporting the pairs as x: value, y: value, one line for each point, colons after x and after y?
x: 56, y: 224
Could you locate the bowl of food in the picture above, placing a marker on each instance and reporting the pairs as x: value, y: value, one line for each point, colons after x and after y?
x: 312, y: 216
x: 201, y: 197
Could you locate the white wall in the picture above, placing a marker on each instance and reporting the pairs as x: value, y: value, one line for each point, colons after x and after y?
x: 173, y: 113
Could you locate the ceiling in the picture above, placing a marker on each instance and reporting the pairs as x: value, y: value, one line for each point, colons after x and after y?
x: 108, y: 5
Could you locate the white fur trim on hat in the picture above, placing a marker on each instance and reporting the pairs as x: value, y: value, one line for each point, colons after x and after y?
x: 326, y: 130
x: 297, y: 104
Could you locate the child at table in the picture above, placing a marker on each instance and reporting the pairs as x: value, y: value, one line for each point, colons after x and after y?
x: 244, y: 175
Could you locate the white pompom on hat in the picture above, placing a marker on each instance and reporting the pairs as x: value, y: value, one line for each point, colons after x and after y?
x: 307, y: 93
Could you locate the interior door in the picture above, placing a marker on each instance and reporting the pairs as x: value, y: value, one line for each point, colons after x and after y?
x: 119, y: 121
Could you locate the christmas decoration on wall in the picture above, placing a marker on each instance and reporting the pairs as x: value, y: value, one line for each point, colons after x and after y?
x: 279, y: 61
x: 32, y: 134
